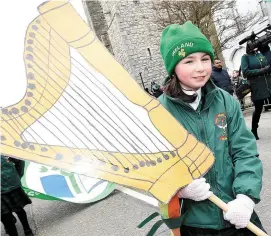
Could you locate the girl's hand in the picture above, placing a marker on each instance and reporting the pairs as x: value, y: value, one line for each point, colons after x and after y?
x: 240, y: 211
x: 197, y: 190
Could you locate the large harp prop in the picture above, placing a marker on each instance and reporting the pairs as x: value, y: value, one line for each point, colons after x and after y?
x: 82, y: 112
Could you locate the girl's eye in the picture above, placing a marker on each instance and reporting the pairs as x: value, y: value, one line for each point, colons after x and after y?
x: 206, y: 59
x: 188, y: 62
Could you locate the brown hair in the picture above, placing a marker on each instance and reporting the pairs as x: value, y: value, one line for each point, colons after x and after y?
x: 173, y: 89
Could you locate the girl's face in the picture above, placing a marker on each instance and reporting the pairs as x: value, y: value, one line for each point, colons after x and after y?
x: 194, y: 71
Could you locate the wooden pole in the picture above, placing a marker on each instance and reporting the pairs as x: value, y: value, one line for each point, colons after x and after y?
x: 253, y: 228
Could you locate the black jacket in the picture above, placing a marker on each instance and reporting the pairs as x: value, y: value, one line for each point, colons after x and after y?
x: 222, y: 79
x: 257, y: 70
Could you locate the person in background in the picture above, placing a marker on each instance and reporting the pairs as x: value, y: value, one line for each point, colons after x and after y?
x: 237, y: 81
x: 13, y: 197
x: 156, y: 89
x: 256, y: 68
x: 221, y: 77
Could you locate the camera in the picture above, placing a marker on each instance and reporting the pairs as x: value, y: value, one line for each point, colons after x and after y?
x: 253, y: 41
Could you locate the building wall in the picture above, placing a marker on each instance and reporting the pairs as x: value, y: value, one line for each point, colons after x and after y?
x: 134, y: 37
x: 97, y: 21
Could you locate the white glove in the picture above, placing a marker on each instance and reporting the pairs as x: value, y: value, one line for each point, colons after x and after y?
x: 197, y: 190
x: 240, y: 211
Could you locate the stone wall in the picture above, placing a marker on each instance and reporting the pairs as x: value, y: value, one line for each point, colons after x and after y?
x: 112, y: 16
x: 134, y: 37
x: 97, y: 21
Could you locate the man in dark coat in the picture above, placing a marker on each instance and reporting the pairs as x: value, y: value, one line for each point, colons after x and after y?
x: 221, y: 77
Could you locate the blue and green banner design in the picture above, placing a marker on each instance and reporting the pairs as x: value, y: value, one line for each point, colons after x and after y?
x: 50, y: 183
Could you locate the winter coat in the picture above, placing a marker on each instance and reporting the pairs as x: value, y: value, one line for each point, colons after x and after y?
x: 222, y: 79
x: 219, y: 123
x: 11, y: 172
x: 258, y: 73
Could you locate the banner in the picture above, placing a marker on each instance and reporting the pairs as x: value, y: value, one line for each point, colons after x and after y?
x: 50, y: 183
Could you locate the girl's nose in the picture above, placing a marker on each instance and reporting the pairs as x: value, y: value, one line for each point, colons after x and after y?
x: 199, y: 66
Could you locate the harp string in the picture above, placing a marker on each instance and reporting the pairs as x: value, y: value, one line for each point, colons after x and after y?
x: 37, y: 142
x: 113, y: 101
x: 126, y: 111
x: 81, y: 96
x: 12, y: 120
x: 57, y: 49
x: 77, y: 112
x: 77, y: 93
x: 2, y: 127
x: 15, y: 140
x: 101, y: 111
x: 70, y: 113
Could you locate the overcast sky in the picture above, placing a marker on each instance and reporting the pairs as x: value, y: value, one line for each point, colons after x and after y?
x: 247, y: 5
x: 15, y: 22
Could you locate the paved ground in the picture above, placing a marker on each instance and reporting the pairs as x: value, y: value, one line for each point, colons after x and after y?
x: 264, y: 147
x: 119, y: 214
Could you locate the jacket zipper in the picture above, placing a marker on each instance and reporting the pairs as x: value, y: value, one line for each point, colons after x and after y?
x: 202, y: 133
x: 212, y: 174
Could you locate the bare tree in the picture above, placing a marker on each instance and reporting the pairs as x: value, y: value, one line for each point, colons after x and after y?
x: 216, y: 19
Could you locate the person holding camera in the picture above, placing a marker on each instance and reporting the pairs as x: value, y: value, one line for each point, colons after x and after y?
x: 256, y: 68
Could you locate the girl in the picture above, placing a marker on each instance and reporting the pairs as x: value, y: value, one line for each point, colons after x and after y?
x: 215, y: 118
x: 13, y: 198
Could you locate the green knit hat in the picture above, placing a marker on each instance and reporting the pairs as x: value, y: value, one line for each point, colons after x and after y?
x: 179, y: 41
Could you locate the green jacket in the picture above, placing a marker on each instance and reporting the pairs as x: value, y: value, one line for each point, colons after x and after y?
x: 258, y: 72
x: 219, y: 123
x: 10, y: 174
